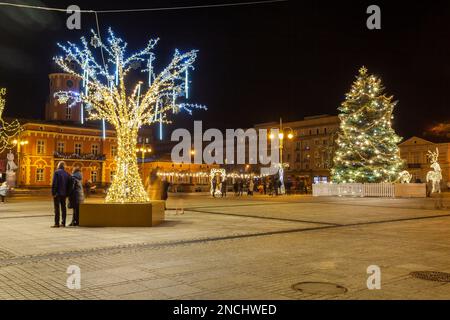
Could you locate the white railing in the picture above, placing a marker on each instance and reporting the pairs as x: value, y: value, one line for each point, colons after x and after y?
x: 386, y: 190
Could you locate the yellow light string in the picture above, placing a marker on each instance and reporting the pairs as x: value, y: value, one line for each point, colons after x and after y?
x: 8, y: 131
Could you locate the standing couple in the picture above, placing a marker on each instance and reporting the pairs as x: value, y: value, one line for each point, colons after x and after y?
x: 65, y: 185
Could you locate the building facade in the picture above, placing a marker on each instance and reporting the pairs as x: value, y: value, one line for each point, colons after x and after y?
x: 54, y: 110
x: 42, y: 145
x: 309, y: 153
x: 414, y: 153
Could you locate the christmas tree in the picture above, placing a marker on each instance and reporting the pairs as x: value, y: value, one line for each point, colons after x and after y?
x: 367, y: 148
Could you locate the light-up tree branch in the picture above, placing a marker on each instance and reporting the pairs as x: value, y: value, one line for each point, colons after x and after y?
x: 107, y: 96
x: 7, y: 130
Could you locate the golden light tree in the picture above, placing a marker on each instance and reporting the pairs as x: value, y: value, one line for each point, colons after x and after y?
x: 7, y: 130
x: 108, y: 96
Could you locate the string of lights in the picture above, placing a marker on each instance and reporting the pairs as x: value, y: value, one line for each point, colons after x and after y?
x: 218, y: 5
x: 7, y: 130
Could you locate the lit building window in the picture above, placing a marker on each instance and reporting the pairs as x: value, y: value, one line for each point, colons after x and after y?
x: 78, y: 148
x: 94, y: 149
x: 68, y: 113
x: 39, y: 175
x: 40, y: 147
x: 60, y: 147
x: 94, y: 176
x: 113, y: 151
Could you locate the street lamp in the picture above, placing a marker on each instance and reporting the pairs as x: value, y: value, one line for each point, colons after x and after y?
x: 282, y: 132
x: 19, y: 143
x: 143, y: 151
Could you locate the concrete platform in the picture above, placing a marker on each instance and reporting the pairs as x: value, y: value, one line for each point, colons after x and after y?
x: 122, y: 214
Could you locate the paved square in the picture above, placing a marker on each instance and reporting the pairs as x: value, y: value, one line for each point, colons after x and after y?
x: 234, y: 248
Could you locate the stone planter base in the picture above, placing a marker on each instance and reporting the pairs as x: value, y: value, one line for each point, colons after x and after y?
x: 122, y: 214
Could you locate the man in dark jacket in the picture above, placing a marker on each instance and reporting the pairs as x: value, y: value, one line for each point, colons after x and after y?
x: 60, y: 191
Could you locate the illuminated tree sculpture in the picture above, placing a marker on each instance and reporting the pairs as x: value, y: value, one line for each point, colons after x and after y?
x: 7, y: 130
x: 367, y: 148
x: 108, y: 97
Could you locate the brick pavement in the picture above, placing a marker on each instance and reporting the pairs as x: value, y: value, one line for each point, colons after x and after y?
x: 231, y: 249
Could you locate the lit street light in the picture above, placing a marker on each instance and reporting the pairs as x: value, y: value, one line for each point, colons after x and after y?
x: 19, y: 143
x: 281, y: 134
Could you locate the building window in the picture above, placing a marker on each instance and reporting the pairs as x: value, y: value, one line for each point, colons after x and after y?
x: 78, y: 148
x: 39, y: 175
x: 94, y: 149
x: 94, y: 176
x: 40, y: 147
x: 60, y: 147
x: 68, y: 113
x: 147, y: 140
x: 112, y: 175
x: 325, y: 130
x: 113, y: 151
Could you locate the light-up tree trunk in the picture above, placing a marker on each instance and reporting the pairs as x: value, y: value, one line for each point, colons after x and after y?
x: 8, y: 131
x: 106, y: 96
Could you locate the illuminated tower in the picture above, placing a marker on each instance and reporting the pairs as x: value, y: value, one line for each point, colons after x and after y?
x: 55, y: 111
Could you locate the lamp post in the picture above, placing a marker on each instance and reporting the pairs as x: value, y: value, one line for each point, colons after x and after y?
x: 19, y: 143
x: 282, y: 132
x: 143, y: 151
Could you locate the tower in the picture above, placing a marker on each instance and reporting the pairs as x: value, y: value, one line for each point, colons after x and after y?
x: 55, y: 111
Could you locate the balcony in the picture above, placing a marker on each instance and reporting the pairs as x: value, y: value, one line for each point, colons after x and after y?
x: 76, y: 156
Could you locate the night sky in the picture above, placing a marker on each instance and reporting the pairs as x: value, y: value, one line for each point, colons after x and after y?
x: 257, y: 62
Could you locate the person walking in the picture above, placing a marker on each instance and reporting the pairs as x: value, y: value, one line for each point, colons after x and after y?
x: 240, y: 187
x: 77, y: 195
x: 3, y: 191
x: 251, y: 186
x: 155, y: 187
x: 214, y: 185
x: 224, y: 188
x: 87, y: 187
x: 60, y: 191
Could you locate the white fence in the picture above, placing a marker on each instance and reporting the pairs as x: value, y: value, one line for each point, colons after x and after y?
x: 385, y: 190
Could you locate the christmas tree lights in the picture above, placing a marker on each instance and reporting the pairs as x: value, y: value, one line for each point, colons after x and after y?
x: 8, y: 131
x: 108, y: 96
x: 367, y: 148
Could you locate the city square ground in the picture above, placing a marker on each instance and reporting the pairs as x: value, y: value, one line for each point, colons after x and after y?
x: 234, y: 248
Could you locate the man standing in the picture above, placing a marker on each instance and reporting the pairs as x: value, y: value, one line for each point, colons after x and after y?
x: 60, y: 191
